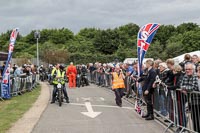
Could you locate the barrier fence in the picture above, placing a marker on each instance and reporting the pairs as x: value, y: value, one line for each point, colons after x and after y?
x: 21, y: 84
x: 180, y: 111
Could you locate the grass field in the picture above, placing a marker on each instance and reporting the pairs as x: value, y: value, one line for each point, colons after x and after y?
x: 13, y: 109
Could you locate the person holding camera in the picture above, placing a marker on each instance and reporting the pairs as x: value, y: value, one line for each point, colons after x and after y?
x: 118, y: 85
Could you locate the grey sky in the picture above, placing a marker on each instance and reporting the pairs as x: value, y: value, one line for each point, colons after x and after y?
x: 77, y: 14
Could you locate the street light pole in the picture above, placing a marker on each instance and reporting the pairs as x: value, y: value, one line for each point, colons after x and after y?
x: 37, y: 36
x: 37, y: 54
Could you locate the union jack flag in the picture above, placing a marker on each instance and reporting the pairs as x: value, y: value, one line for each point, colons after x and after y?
x: 5, y: 85
x: 145, y: 36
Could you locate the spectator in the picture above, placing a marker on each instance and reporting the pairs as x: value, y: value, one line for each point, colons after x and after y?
x: 178, y: 75
x: 198, y: 74
x: 189, y: 84
x: 156, y: 65
x: 187, y: 58
x: 162, y: 92
x: 190, y: 80
x: 195, y: 61
x: 148, y: 90
x: 2, y: 68
x: 18, y: 72
x: 170, y: 75
x: 129, y: 71
x: 14, y: 67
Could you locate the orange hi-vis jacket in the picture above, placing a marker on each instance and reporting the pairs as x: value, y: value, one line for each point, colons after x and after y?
x: 118, y: 81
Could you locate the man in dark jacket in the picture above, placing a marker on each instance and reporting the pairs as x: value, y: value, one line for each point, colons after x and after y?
x: 148, y: 89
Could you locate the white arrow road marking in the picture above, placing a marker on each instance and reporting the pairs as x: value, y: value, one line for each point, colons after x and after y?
x: 102, y: 98
x: 77, y: 99
x: 90, y: 112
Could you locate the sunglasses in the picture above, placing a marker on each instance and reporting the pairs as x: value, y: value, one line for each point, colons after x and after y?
x: 188, y: 69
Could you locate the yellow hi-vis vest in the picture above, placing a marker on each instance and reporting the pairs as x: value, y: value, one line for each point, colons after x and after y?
x: 57, y: 74
x: 118, y: 81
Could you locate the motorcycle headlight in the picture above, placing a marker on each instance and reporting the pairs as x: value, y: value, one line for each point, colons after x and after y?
x: 59, y: 85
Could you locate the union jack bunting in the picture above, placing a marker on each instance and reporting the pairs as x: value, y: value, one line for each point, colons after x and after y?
x: 145, y: 37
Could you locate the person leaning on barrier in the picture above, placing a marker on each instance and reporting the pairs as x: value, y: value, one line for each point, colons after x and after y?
x: 178, y: 75
x: 190, y: 80
x: 189, y: 84
x: 18, y: 72
x: 118, y: 85
x: 160, y: 83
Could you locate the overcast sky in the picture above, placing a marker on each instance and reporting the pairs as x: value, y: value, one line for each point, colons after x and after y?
x: 77, y: 14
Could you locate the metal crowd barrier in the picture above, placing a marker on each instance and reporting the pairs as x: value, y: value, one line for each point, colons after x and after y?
x: 180, y: 111
x: 19, y: 85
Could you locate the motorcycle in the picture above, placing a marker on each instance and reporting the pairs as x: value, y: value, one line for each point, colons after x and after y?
x: 84, y: 80
x: 59, y: 93
x: 42, y: 76
x: 78, y: 80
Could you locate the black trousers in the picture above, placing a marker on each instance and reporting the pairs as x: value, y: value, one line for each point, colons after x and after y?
x: 195, y: 114
x: 55, y: 90
x: 148, y: 99
x: 119, y: 93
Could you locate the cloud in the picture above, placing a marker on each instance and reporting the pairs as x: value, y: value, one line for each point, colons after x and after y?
x: 78, y: 14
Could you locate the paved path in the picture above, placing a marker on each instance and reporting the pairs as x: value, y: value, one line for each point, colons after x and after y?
x: 31, y: 117
x: 93, y: 110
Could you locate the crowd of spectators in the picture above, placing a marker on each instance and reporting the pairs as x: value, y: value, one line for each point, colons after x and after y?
x: 181, y: 80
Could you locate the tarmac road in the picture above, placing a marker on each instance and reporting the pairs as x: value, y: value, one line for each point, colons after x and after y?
x: 93, y: 110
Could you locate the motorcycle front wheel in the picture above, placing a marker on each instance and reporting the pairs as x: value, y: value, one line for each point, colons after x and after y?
x: 60, y: 97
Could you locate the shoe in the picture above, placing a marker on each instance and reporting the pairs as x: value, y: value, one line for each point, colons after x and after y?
x: 145, y: 116
x: 167, y: 121
x: 67, y: 101
x: 178, y: 130
x: 119, y: 105
x: 150, y: 117
x: 52, y: 102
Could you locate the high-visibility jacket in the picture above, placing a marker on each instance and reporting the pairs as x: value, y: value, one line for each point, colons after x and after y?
x: 118, y: 81
x: 55, y: 73
x: 63, y: 77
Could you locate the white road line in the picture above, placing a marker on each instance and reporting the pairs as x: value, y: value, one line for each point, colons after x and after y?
x: 105, y: 106
x: 86, y: 98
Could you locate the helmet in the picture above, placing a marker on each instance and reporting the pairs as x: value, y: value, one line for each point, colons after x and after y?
x: 61, y: 67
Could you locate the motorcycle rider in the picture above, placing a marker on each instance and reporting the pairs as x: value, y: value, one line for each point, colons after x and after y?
x: 63, y: 75
x: 42, y: 72
x: 84, y: 75
x: 56, y: 73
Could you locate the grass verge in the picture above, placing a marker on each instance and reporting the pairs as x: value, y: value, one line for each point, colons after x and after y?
x: 13, y: 109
